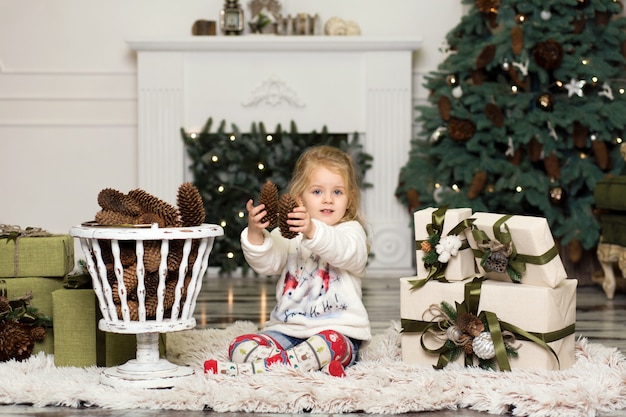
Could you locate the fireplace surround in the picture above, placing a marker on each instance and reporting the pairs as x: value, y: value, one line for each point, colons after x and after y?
x: 348, y: 84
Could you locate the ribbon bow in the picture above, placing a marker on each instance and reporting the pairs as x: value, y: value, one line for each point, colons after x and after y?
x: 436, y: 269
x: 499, y: 331
x: 501, y: 251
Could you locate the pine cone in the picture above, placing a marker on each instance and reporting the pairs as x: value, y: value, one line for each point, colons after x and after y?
x: 113, y: 200
x: 128, y: 254
x: 478, y: 77
x: 461, y: 130
x: 111, y: 218
x: 16, y: 341
x: 413, y: 198
x: 548, y: 54
x: 133, y: 310
x: 151, y: 218
x: 486, y: 56
x: 190, y: 205
x: 151, y: 255
x: 444, y: 107
x: 425, y: 246
x: 494, y: 114
x: 152, y: 303
x: 152, y: 204
x: 269, y: 197
x: 517, y: 39
x: 516, y: 159
x: 477, y: 185
x: 286, y: 204
x: 601, y: 154
x: 487, y: 6
x: 470, y: 324
x: 552, y: 166
x: 38, y: 332
x: 534, y: 150
x: 4, y: 304
x: 579, y: 135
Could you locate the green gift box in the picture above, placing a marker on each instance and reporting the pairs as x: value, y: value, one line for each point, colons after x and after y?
x: 610, y: 193
x: 78, y: 341
x: 45, y: 256
x: 42, y: 289
x: 613, y: 229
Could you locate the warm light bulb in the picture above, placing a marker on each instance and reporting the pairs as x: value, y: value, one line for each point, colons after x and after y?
x: 223, y: 223
x: 437, y: 185
x: 455, y: 187
x: 220, y: 189
x: 514, y: 89
x: 241, y: 214
x: 519, y: 188
x: 214, y: 158
x: 584, y: 61
x: 269, y: 138
x: 230, y: 255
x: 621, y: 90
x: 193, y: 135
x: 618, y: 140
x: 232, y: 138
x: 261, y: 166
x: 583, y: 155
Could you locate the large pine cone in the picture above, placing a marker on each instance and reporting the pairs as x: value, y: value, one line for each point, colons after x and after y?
x: 548, y: 54
x: 286, y: 204
x: 152, y: 204
x: 269, y: 197
x: 112, y: 218
x: 470, y: 324
x: 487, y: 6
x: 190, y: 205
x: 494, y: 114
x: 113, y: 200
x: 461, y: 130
x: 16, y: 341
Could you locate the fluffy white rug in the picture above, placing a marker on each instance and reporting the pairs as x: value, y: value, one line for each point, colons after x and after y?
x: 379, y: 383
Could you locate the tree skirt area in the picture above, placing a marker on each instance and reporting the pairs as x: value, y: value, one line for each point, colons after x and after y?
x: 379, y: 383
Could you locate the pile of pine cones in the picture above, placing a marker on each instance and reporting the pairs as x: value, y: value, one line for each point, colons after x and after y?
x: 20, y: 326
x: 136, y: 208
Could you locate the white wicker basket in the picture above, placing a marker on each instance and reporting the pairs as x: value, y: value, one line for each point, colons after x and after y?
x: 148, y: 370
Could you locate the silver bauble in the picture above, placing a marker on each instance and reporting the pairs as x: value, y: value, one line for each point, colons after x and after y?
x: 483, y: 346
x: 454, y: 333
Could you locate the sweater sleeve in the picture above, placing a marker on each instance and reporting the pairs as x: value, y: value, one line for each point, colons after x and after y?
x: 268, y: 258
x: 343, y: 246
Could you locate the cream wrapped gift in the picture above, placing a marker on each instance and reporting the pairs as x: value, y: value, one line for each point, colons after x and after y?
x: 442, y: 249
x: 507, y: 325
x: 516, y: 248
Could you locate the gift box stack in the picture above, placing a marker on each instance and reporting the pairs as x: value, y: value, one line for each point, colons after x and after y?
x: 33, y: 260
x: 490, y: 291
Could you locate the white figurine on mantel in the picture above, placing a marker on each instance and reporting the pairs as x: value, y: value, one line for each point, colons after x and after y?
x: 336, y: 26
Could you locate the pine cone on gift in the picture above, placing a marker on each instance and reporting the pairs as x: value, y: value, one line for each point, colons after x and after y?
x: 16, y: 341
x: 269, y: 197
x: 286, y: 204
x: 152, y: 204
x: 470, y: 324
x: 114, y: 200
x: 190, y: 205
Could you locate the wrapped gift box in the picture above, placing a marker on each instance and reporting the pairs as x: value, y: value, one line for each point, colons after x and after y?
x: 42, y: 289
x: 78, y: 341
x: 531, y: 308
x: 49, y: 256
x: 532, y: 239
x: 458, y: 267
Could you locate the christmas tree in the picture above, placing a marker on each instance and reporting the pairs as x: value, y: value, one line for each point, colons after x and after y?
x: 526, y: 113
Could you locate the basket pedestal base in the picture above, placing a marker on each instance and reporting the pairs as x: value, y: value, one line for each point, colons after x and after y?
x: 160, y: 374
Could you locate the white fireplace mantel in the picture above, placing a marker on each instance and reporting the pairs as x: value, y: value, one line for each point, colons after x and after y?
x: 348, y: 84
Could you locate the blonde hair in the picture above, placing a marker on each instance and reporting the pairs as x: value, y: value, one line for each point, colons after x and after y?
x: 337, y: 161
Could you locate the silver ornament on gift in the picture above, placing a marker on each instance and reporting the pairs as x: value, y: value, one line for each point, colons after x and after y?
x: 483, y: 346
x: 454, y: 334
x: 496, y: 262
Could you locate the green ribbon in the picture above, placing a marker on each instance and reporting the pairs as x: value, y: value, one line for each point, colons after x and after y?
x: 437, y: 270
x: 516, y: 262
x: 495, y: 327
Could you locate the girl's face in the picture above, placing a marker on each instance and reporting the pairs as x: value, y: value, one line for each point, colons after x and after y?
x: 325, y: 197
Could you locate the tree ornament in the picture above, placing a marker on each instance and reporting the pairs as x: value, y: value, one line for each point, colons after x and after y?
x: 545, y: 15
x: 286, y: 204
x: 438, y: 134
x: 520, y: 18
x: 269, y: 197
x: 452, y: 80
x: 413, y: 198
x: 552, y: 166
x: 457, y: 92
x: 461, y: 130
x: 535, y: 150
x: 469, y: 324
x: 517, y: 39
x: 506, y: 65
x: 581, y: 4
x: 545, y: 102
x: 477, y: 185
x: 455, y: 334
x: 494, y: 114
x: 483, y: 346
x: 444, y: 107
x: 488, y: 6
x: 548, y: 54
x: 600, y: 153
x: 602, y: 18
x: 478, y: 77
x: 579, y: 135
x: 556, y: 194
x: 578, y: 24
x: 485, y: 56
x: 516, y: 157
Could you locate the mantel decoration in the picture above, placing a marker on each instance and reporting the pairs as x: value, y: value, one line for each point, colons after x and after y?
x: 230, y: 166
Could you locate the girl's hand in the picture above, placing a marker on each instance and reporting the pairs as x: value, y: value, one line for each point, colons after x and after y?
x: 300, y: 222
x: 255, y: 226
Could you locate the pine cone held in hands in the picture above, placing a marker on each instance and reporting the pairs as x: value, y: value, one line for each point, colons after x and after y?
x: 286, y: 204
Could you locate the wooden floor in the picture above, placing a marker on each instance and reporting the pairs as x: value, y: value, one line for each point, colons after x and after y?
x: 226, y: 300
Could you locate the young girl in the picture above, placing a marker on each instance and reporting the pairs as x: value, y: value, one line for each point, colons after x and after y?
x: 319, y: 320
